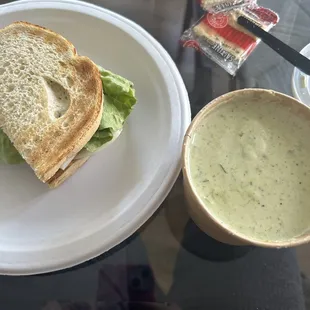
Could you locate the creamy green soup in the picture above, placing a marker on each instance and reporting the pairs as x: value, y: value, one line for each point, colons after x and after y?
x: 250, y: 165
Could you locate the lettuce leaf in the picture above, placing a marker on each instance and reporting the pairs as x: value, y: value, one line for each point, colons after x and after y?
x: 100, y: 138
x: 119, y: 100
x: 8, y: 153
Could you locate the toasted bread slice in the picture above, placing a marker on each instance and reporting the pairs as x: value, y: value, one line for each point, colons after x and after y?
x: 62, y: 175
x: 51, y: 98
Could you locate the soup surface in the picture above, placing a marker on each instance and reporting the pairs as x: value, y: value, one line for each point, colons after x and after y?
x: 249, y: 162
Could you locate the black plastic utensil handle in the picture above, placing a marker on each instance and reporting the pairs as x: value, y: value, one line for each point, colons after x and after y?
x: 291, y: 55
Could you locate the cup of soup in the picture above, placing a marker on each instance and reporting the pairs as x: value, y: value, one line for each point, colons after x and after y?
x: 246, y: 167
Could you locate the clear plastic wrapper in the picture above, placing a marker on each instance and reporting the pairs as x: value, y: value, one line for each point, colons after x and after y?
x: 221, y: 38
x: 216, y: 6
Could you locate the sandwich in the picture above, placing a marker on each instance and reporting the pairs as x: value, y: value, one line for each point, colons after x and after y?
x: 57, y: 108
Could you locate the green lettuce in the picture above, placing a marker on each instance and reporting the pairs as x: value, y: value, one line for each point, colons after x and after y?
x: 119, y: 99
x: 8, y: 153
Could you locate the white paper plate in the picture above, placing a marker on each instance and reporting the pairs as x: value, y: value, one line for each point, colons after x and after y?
x: 301, y: 81
x: 119, y: 188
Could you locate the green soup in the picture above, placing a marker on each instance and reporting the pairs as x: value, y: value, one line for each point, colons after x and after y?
x: 250, y: 165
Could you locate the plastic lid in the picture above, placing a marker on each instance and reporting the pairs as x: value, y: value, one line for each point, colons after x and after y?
x: 301, y: 81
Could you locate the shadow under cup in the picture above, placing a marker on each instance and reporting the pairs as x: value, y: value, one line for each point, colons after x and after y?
x: 199, y: 211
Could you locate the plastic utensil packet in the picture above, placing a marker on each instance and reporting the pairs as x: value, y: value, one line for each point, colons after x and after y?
x: 222, y: 39
x: 215, y: 6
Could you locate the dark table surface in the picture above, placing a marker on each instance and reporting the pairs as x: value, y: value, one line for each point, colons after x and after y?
x: 169, y: 263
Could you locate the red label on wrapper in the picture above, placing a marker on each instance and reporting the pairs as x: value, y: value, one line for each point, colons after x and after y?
x: 217, y: 20
x: 266, y: 15
x: 229, y: 33
x: 191, y: 43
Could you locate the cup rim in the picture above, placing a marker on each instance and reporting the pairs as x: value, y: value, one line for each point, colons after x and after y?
x: 185, y: 169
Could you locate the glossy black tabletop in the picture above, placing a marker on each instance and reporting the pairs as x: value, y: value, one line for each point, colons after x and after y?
x: 169, y: 263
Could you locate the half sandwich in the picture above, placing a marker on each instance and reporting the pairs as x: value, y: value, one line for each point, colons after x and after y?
x: 56, y: 108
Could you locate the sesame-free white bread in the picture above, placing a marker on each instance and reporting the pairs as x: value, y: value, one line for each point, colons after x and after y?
x: 50, y: 98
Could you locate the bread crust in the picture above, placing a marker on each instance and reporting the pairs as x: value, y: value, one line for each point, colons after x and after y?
x: 62, y: 175
x: 66, y: 136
